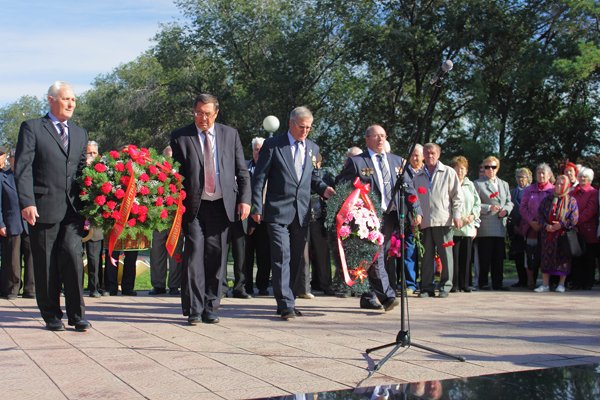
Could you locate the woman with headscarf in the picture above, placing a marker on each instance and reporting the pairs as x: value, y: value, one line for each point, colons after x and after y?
x: 530, y: 226
x: 583, y: 268
x: 495, y: 207
x: 557, y: 213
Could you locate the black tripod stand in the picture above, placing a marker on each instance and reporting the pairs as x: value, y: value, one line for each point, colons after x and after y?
x: 403, y: 337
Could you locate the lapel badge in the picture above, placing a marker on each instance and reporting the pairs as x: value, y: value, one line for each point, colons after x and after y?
x: 314, y: 161
x: 398, y: 170
x: 367, y: 171
x: 310, y: 152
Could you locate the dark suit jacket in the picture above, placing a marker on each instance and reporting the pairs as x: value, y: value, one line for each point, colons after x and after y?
x: 45, y: 173
x: 10, y: 217
x: 286, y: 197
x: 187, y: 150
x: 358, y: 164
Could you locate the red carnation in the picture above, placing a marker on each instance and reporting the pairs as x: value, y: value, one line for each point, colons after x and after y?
x: 412, y: 198
x: 164, y: 214
x: 134, y: 208
x: 159, y: 202
x: 111, y: 204
x: 100, y: 167
x: 169, y: 200
x: 144, y: 190
x: 131, y: 222
x: 114, y: 154
x: 82, y: 193
x: 167, y: 164
x: 142, y: 210
x: 162, y: 177
x: 120, y: 193
x: 182, y: 208
x: 100, y: 200
x: 87, y: 181
x: 173, y: 188
x: 115, y: 215
x: 144, y: 178
x: 182, y: 195
x: 161, y: 190
x: 152, y: 169
x: 106, y: 188
x: 422, y: 190
x: 494, y: 195
x: 448, y: 244
x: 106, y: 214
x: 142, y: 218
x: 125, y: 180
x: 120, y: 167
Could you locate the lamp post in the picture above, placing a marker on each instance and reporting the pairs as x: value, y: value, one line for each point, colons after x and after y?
x: 271, y: 124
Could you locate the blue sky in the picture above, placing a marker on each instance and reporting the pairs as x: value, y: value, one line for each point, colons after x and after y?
x: 73, y: 41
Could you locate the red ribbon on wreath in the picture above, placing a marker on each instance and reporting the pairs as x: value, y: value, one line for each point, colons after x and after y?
x: 361, y: 191
x: 123, y: 213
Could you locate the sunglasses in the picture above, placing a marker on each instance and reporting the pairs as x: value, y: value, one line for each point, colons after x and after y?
x: 490, y: 167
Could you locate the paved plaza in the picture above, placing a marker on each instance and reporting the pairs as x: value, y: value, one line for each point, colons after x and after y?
x: 141, y: 347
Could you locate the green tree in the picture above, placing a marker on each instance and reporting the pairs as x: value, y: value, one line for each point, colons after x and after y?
x: 12, y: 115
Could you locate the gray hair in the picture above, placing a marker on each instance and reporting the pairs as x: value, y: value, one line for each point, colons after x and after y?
x: 587, y: 172
x: 166, y: 149
x: 257, y: 140
x: 300, y: 112
x: 56, y: 86
x: 433, y: 146
x: 353, y: 151
x: 545, y: 167
x: 206, y: 98
x: 527, y: 172
x: 418, y: 147
x: 92, y: 143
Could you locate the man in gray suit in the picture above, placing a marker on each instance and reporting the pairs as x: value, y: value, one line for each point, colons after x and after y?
x: 212, y: 161
x: 288, y: 162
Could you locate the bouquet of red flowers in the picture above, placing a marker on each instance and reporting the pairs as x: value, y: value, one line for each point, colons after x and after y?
x: 132, y: 192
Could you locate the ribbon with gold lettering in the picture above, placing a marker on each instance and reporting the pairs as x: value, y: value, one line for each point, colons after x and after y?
x: 126, y: 204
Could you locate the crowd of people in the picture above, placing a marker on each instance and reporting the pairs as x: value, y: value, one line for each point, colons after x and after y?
x: 272, y: 209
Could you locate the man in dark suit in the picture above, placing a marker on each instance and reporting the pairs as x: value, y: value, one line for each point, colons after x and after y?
x: 212, y: 162
x: 50, y: 155
x: 379, y: 169
x: 287, y: 162
x: 15, y: 240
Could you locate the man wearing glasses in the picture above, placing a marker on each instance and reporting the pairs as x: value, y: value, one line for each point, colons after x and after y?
x: 212, y: 161
x: 288, y: 163
x: 385, y: 168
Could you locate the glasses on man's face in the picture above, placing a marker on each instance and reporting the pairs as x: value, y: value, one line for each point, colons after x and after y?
x: 302, y: 127
x: 204, y: 115
x: 490, y: 167
x: 377, y: 136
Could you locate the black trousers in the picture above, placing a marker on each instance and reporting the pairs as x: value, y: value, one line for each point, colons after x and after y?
x: 461, y: 253
x: 583, y: 268
x: 111, y: 272
x: 204, y: 254
x: 57, y: 260
x: 94, y: 264
x: 491, y: 259
x: 321, y: 260
x: 15, y: 248
x: 258, y: 242
x: 238, y: 252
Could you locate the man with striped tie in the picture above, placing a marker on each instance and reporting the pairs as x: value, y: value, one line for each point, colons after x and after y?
x: 51, y: 153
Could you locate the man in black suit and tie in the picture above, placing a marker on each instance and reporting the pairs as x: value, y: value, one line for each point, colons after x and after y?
x: 50, y: 155
x: 385, y: 167
x: 288, y: 163
x: 212, y: 161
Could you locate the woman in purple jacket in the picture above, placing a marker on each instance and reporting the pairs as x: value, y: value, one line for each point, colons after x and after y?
x: 530, y: 226
x: 583, y: 268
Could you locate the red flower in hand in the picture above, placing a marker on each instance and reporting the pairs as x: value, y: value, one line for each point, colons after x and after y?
x: 448, y: 244
x: 412, y: 198
x: 421, y: 190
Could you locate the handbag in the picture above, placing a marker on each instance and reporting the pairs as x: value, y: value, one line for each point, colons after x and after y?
x: 571, y: 244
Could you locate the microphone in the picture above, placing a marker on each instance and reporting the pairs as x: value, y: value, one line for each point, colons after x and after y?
x: 446, y: 66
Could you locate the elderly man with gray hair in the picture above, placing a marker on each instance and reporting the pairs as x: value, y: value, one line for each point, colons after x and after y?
x: 441, y: 201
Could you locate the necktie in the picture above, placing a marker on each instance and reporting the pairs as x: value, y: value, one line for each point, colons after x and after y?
x: 386, y: 177
x: 63, y: 136
x: 209, y: 165
x: 298, y: 160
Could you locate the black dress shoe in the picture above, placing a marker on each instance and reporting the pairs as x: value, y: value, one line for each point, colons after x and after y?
x: 467, y: 290
x: 390, y: 303
x: 92, y: 294
x: 518, y: 284
x: 194, y: 319
x: 298, y: 313
x: 157, y: 290
x: 288, y: 313
x: 128, y: 293
x: 485, y: 287
x: 263, y: 292
x: 503, y: 288
x: 174, y: 291
x: 29, y: 295
x: 209, y: 318
x: 55, y: 325
x: 424, y: 294
x: 110, y: 293
x: 80, y: 325
x: 371, y: 305
x: 242, y: 295
x: 10, y: 296
x: 329, y: 292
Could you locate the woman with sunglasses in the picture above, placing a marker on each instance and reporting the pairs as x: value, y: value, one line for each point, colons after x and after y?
x: 495, y: 207
x: 530, y: 226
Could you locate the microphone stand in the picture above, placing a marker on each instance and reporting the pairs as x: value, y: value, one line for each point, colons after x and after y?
x: 403, y: 337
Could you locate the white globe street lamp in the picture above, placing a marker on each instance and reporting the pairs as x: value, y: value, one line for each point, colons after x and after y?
x: 271, y: 124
